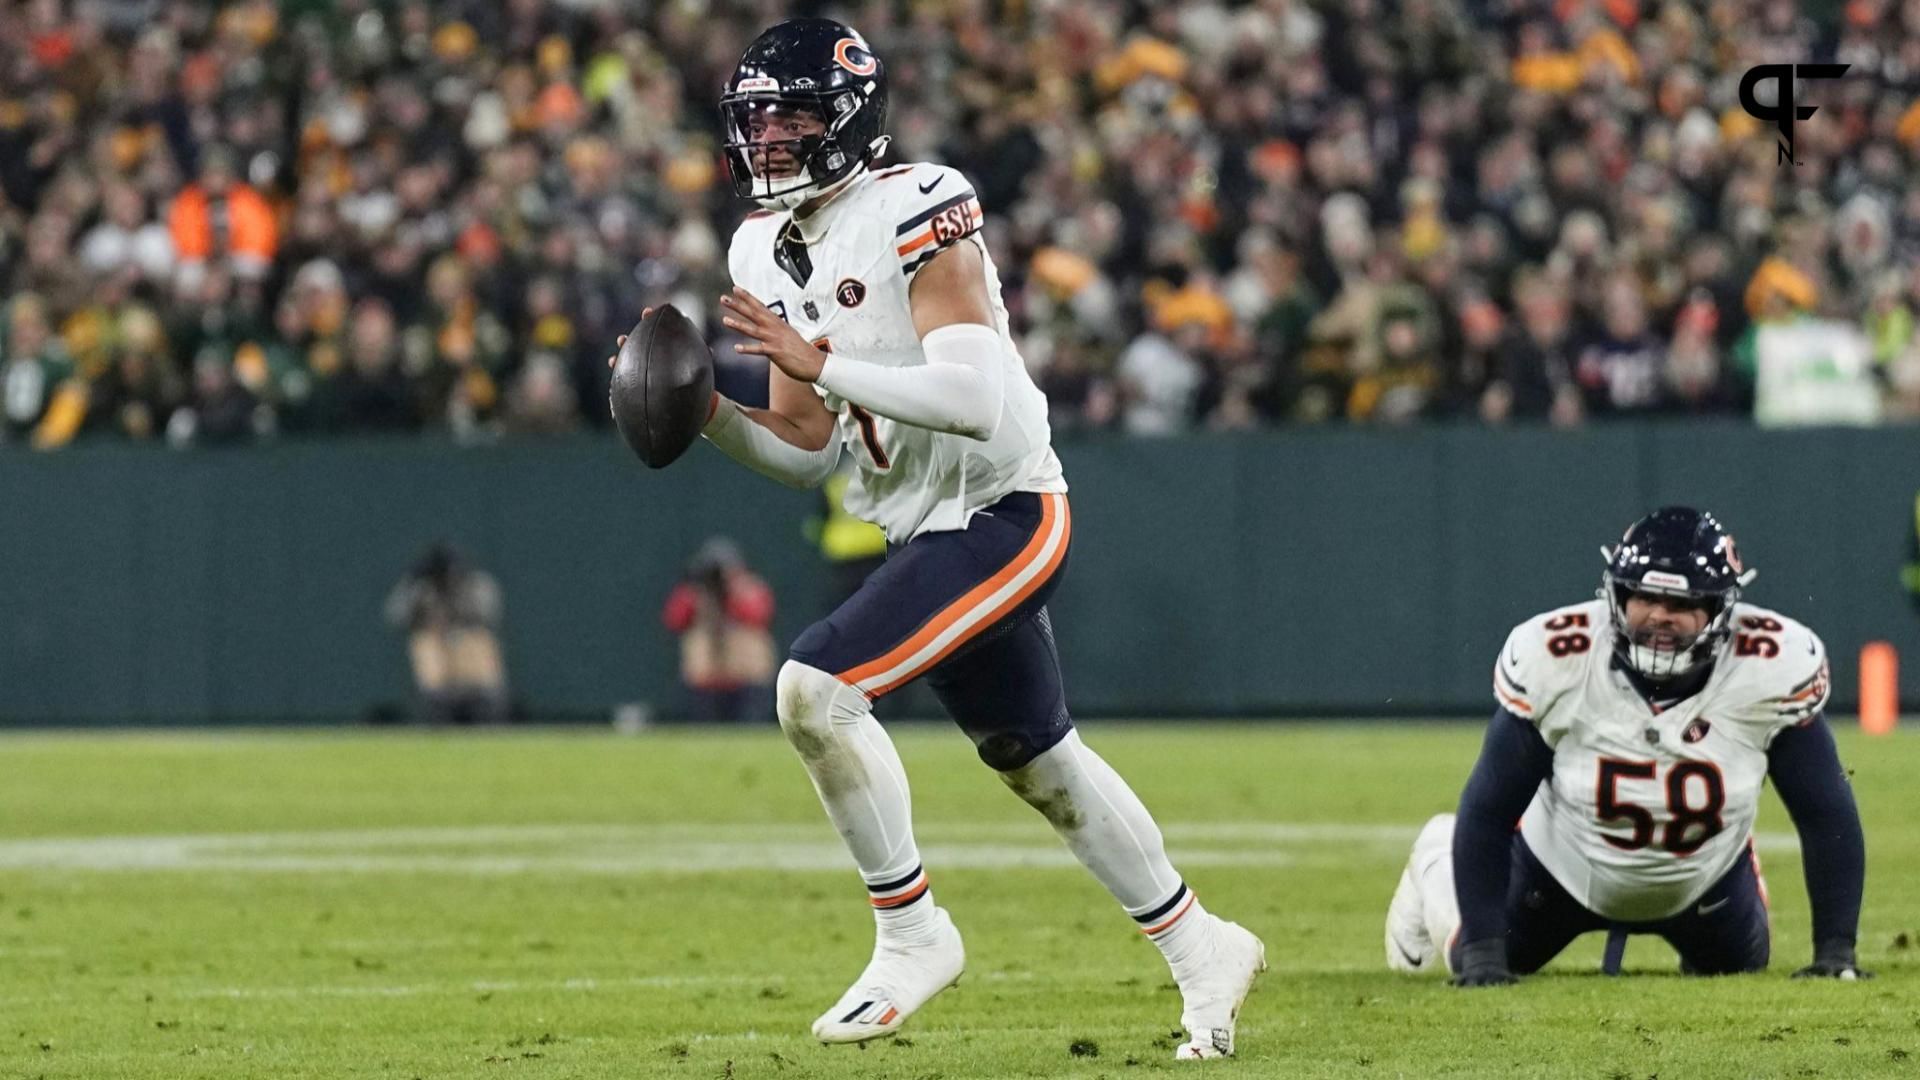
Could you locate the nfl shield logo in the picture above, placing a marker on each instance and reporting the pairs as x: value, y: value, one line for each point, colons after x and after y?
x: 812, y: 311
x: 850, y: 292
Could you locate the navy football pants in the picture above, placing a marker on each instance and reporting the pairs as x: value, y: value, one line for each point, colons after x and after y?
x: 1724, y: 932
x: 966, y: 609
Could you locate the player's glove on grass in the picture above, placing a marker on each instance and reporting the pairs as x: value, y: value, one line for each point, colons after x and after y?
x: 1833, y: 960
x: 1482, y: 963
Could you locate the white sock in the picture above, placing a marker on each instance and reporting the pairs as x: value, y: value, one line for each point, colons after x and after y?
x: 1110, y: 832
x: 1177, y: 927
x: 858, y: 775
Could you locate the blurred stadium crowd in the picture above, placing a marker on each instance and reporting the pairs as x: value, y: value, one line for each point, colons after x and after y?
x: 223, y: 220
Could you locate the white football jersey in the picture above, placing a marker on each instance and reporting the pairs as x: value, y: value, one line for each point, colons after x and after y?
x: 1646, y: 809
x: 865, y: 247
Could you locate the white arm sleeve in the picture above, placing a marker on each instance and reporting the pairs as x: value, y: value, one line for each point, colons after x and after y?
x: 959, y: 391
x: 766, y: 453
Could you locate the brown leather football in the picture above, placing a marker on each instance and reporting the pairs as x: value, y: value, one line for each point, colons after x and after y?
x: 662, y: 386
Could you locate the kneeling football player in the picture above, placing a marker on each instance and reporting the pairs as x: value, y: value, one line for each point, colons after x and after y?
x: 1631, y: 741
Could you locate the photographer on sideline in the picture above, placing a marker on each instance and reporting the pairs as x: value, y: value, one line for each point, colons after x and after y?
x: 451, y: 612
x: 721, y: 611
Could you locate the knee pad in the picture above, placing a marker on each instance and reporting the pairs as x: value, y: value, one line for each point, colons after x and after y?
x: 805, y: 698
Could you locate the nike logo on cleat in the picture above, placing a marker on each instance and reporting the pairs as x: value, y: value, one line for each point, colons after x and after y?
x: 931, y: 184
x: 1412, y: 960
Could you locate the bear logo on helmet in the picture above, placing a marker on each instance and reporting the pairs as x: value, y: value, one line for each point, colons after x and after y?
x: 852, y: 54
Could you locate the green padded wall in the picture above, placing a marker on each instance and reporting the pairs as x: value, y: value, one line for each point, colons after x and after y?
x: 1288, y: 573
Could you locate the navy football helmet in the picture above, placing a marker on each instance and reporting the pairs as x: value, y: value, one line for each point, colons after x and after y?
x: 813, y: 66
x: 1682, y: 553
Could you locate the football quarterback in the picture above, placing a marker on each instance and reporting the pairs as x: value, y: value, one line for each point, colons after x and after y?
x: 873, y: 298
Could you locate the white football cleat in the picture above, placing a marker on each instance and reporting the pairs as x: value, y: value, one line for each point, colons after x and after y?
x: 1410, y: 944
x: 898, y: 980
x: 1215, y: 990
x: 1409, y: 948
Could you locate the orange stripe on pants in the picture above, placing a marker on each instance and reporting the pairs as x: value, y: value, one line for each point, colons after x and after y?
x: 1051, y: 506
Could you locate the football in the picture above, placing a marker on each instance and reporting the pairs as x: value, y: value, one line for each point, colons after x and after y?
x: 662, y: 386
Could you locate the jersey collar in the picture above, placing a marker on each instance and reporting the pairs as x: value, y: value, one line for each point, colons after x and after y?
x: 813, y: 228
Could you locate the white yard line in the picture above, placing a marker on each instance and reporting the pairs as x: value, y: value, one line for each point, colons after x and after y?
x: 483, y: 986
x: 786, y: 981
x: 633, y: 849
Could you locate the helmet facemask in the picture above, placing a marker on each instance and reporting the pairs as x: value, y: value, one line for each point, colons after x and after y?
x: 818, y: 161
x: 1686, y: 653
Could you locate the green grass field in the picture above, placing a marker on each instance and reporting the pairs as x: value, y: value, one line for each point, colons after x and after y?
x: 674, y: 905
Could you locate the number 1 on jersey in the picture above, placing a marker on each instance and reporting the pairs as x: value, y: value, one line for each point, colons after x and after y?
x: 868, y: 433
x: 870, y: 436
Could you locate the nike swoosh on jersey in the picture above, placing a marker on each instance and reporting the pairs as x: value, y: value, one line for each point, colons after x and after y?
x: 930, y: 185
x: 1708, y: 909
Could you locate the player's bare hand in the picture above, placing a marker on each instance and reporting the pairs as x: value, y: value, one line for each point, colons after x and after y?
x: 645, y: 314
x: 771, y: 337
x: 617, y: 342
